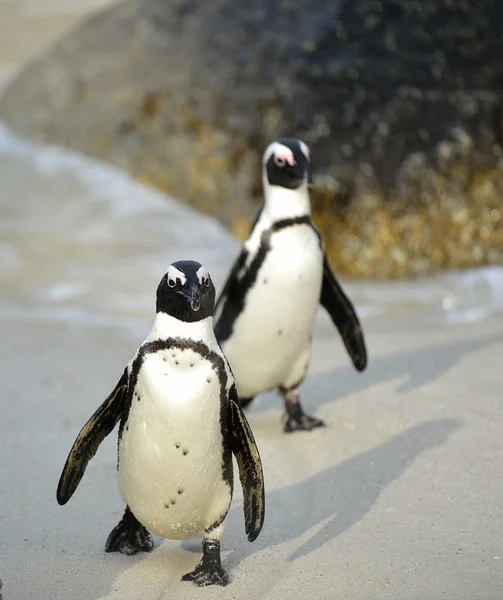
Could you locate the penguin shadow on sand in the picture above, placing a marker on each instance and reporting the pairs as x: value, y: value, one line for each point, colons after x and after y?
x: 338, y: 497
x: 418, y: 367
x: 334, y: 500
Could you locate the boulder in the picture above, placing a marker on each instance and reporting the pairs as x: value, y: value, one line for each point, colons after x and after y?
x: 400, y: 101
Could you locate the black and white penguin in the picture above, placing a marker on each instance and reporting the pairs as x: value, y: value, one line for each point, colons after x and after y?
x: 180, y: 423
x: 265, y: 313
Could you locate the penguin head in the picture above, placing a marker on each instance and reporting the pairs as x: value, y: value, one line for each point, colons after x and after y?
x: 286, y: 163
x: 186, y: 292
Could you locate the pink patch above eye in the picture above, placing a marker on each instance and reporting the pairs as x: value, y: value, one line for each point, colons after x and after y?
x: 174, y: 275
x: 203, y: 276
x: 281, y: 160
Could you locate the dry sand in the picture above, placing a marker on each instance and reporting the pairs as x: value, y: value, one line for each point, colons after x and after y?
x: 398, y: 498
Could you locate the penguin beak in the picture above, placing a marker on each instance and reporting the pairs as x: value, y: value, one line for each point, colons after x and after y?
x: 193, y: 295
x: 297, y: 172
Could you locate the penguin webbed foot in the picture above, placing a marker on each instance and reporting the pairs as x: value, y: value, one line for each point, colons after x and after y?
x: 207, y: 574
x: 304, y: 423
x: 295, y: 418
x: 129, y: 536
x: 209, y: 570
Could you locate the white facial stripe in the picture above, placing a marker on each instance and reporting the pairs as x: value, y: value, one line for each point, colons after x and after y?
x: 202, y: 274
x: 173, y: 274
x: 305, y: 150
x: 279, y: 151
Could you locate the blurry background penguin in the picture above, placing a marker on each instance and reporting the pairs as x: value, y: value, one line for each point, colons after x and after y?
x: 265, y: 313
x: 180, y: 423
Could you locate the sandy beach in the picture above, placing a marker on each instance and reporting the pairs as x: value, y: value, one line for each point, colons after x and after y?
x: 399, y: 498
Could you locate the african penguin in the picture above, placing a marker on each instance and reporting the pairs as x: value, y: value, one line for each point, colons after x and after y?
x: 180, y: 423
x: 265, y: 313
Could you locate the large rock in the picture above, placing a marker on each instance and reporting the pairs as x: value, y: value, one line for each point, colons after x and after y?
x: 400, y: 101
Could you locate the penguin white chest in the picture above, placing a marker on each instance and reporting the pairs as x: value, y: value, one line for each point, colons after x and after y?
x: 270, y: 343
x: 171, y: 457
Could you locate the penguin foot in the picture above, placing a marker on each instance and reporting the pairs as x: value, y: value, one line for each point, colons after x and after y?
x: 207, y: 574
x: 129, y: 536
x: 302, y: 423
x: 295, y: 419
x: 209, y: 571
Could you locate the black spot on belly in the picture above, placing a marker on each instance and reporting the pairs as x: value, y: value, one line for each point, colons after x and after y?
x: 138, y: 397
x: 280, y: 332
x: 177, y: 446
x: 208, y: 379
x: 191, y: 364
x: 172, y: 502
x: 164, y: 359
x: 127, y: 427
x: 265, y: 280
x: 176, y: 362
x: 180, y: 492
x: 166, y: 506
x: 185, y: 451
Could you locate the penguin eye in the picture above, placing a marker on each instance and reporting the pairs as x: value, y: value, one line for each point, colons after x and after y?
x: 206, y: 281
x: 279, y: 161
x: 171, y: 282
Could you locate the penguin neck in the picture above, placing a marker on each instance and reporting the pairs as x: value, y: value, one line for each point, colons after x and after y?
x: 165, y: 326
x: 281, y: 203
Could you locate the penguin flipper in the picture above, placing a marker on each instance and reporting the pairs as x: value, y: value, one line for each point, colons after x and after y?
x: 90, y: 437
x: 343, y: 314
x: 251, y: 475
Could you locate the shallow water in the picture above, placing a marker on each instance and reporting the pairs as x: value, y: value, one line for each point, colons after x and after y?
x: 80, y: 240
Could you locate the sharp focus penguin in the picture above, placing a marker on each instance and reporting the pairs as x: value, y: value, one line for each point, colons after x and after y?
x: 180, y: 423
x: 265, y: 313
